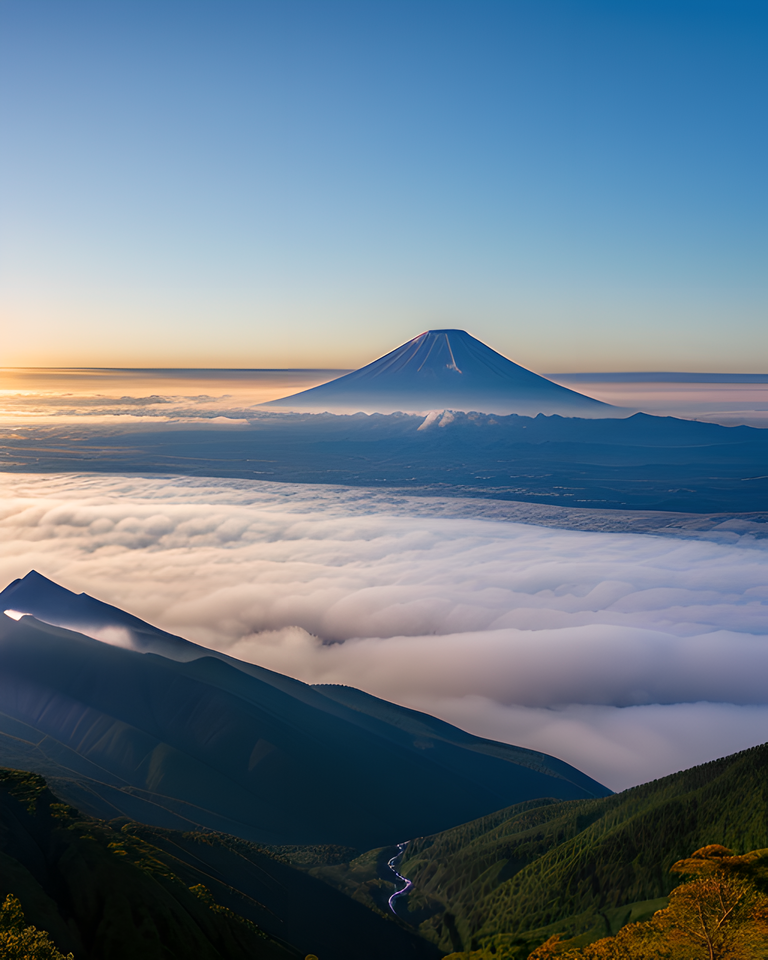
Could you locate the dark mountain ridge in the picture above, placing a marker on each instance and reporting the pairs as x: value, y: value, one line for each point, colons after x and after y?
x: 502, y: 883
x: 184, y: 741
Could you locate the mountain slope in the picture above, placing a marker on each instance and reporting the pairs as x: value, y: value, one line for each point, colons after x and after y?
x: 444, y: 369
x: 429, y: 730
x: 120, y: 890
x: 213, y: 742
x: 582, y: 866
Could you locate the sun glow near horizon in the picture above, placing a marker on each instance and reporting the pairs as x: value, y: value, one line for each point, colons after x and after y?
x: 307, y: 185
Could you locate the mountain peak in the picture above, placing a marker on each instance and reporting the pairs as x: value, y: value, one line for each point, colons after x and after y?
x: 444, y: 369
x: 191, y: 738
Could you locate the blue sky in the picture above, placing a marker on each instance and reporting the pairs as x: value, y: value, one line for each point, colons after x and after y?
x: 309, y: 183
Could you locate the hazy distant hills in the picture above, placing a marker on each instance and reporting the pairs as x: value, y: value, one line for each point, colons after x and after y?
x: 638, y: 463
x: 442, y: 369
x: 486, y: 427
x: 179, y: 736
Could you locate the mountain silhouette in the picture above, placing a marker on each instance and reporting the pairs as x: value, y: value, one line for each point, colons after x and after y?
x: 444, y: 369
x: 151, y: 727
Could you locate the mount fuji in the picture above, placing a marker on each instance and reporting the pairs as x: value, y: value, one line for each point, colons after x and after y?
x: 445, y: 369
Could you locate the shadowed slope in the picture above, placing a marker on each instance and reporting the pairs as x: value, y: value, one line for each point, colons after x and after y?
x: 214, y: 742
x: 442, y: 369
x: 122, y: 891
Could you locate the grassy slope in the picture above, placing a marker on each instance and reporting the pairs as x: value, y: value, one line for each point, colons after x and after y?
x: 576, y: 866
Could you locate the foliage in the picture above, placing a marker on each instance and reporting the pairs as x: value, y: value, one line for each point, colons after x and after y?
x: 122, y: 890
x: 497, y: 948
x: 204, y: 894
x: 315, y: 855
x: 24, y: 786
x: 20, y: 941
x: 721, y: 915
x: 107, y: 893
x: 583, y: 868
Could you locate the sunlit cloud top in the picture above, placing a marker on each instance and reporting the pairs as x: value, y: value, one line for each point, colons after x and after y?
x: 629, y: 655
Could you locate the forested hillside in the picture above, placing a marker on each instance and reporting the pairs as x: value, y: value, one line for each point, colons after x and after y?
x: 121, y: 891
x: 581, y: 867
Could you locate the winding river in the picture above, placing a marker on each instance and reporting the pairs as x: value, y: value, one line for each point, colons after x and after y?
x: 403, y: 890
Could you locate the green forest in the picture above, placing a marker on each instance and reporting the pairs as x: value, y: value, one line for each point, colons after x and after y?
x: 579, y: 870
x: 720, y: 912
x: 97, y: 891
x: 606, y: 879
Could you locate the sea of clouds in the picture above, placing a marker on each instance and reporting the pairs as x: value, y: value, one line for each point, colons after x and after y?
x: 629, y: 655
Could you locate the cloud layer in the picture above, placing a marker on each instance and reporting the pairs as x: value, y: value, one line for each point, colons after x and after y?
x: 120, y: 399
x: 628, y: 655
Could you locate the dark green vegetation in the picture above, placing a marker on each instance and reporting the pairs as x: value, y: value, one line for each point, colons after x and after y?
x: 639, y: 463
x: 719, y: 913
x: 495, y: 887
x: 122, y: 891
x: 186, y: 738
x: 511, y: 879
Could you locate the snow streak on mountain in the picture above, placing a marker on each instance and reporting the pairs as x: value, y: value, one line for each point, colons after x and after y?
x: 444, y: 369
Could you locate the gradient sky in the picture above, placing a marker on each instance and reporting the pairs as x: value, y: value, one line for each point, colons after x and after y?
x: 304, y: 183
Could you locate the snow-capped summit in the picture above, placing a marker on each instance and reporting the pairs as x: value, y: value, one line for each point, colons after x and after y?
x: 444, y: 369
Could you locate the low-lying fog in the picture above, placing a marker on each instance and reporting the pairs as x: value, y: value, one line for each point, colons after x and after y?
x: 628, y: 655
x: 122, y: 397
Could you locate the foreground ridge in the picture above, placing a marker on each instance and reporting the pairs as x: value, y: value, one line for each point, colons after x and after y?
x: 176, y: 735
x: 113, y: 890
